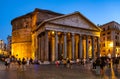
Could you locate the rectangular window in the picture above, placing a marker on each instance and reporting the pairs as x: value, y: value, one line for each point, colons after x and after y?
x: 103, y: 50
x: 117, y: 37
x: 103, y: 45
x: 103, y: 34
x: 108, y: 33
x: 108, y: 38
x: 103, y: 38
x: 103, y: 29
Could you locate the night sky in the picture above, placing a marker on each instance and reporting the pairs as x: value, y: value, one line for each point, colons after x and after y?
x: 97, y: 11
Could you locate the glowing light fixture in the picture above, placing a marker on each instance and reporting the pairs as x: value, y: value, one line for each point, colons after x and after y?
x: 111, y: 44
x: 53, y: 32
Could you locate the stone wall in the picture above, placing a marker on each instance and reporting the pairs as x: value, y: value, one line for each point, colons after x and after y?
x: 21, y: 37
x: 22, y: 43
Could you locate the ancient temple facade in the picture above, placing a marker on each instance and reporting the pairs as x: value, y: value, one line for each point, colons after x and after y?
x: 70, y: 36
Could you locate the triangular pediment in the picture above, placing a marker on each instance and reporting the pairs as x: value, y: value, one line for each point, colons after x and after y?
x: 74, y: 20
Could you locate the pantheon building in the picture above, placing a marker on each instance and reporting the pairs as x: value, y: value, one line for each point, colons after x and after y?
x: 50, y: 36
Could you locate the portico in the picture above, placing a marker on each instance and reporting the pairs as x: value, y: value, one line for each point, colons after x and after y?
x: 69, y: 36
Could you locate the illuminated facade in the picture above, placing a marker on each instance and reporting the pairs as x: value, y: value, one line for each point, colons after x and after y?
x: 54, y: 36
x: 22, y: 31
x: 110, y: 39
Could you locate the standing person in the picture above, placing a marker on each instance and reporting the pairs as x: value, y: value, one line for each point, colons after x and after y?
x: 27, y: 62
x: 68, y: 63
x: 7, y: 62
x: 82, y: 63
x: 98, y: 61
x: 77, y: 61
x: 19, y: 63
x: 64, y: 62
x: 109, y: 62
x: 94, y: 64
x: 116, y: 62
x: 31, y: 62
x: 57, y: 63
x: 102, y: 65
x: 23, y: 64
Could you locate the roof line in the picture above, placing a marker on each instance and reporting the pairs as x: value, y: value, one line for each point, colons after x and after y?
x: 109, y: 23
x: 36, y: 10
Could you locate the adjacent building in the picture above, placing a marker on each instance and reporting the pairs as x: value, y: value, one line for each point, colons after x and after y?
x: 110, y: 39
x: 2, y: 47
x: 50, y: 36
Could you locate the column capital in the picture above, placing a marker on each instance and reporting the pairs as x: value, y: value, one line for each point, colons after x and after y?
x: 92, y: 37
x: 65, y: 33
x: 87, y: 35
x: 80, y: 34
x: 72, y: 34
x: 46, y: 30
x: 98, y: 37
x: 56, y: 32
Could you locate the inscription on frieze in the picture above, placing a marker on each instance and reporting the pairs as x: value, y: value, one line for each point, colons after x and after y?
x: 70, y: 29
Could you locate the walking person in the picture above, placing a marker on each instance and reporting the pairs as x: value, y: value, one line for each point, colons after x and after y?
x: 98, y: 61
x: 116, y: 62
x: 31, y: 62
x: 102, y: 65
x: 64, y: 62
x: 109, y: 62
x: 28, y: 62
x: 94, y: 64
x: 68, y: 63
x: 19, y: 63
x: 23, y: 64
x: 7, y: 63
x: 57, y: 63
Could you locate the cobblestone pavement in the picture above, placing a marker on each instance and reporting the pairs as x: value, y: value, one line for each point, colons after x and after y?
x: 53, y: 72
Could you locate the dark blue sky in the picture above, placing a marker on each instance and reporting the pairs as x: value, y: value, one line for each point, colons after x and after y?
x: 98, y: 11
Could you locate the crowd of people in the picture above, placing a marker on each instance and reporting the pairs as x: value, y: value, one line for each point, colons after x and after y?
x: 21, y: 64
x: 98, y: 64
x: 105, y: 61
